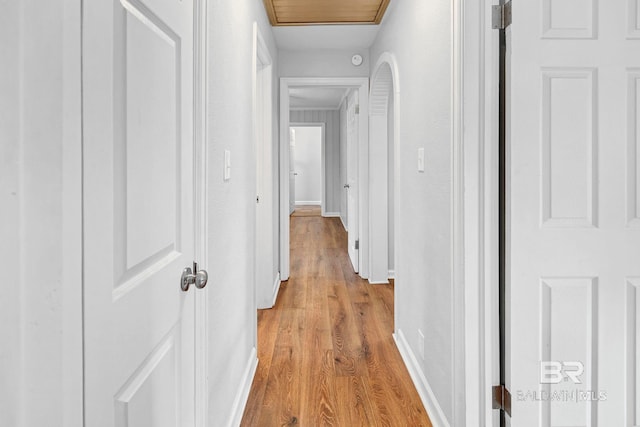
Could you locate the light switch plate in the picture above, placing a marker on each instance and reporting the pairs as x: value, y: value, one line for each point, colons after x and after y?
x: 420, y: 159
x: 227, y: 165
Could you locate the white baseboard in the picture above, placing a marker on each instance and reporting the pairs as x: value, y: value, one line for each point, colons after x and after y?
x: 392, y: 274
x: 240, y: 402
x: 276, y: 289
x: 331, y: 214
x: 308, y: 203
x: 436, y: 415
x: 379, y: 282
x: 343, y: 224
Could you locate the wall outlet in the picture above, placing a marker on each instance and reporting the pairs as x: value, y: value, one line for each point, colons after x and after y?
x: 420, y: 159
x: 421, y: 344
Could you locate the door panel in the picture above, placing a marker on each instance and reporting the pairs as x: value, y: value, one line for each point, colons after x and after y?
x: 138, y: 212
x: 352, y: 179
x: 292, y: 170
x: 574, y: 250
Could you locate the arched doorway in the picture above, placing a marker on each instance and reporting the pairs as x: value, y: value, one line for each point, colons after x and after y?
x: 384, y: 166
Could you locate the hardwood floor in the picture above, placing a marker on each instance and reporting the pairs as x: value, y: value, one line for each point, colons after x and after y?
x: 327, y: 357
x: 307, y: 211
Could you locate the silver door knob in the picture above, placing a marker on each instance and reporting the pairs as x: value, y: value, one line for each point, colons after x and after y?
x: 188, y: 278
x: 346, y: 186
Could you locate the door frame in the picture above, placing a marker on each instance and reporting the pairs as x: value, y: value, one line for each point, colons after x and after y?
x: 322, y: 125
x: 362, y: 84
x: 262, y: 101
x: 476, y: 109
x: 201, y: 101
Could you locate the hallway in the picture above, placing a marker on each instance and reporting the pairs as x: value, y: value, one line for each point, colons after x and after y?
x: 326, y: 352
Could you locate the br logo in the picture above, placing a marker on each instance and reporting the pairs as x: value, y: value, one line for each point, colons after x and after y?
x: 553, y: 372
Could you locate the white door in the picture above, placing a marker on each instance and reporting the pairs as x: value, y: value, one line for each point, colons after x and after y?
x: 138, y: 212
x: 352, y: 178
x: 574, y: 213
x: 292, y: 170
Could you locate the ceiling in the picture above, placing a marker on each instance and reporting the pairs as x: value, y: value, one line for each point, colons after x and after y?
x: 314, y: 12
x: 316, y: 97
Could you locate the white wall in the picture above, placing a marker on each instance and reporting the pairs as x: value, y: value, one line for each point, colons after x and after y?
x: 231, y: 204
x: 418, y: 33
x: 331, y: 119
x: 307, y: 164
x: 322, y: 63
x: 40, y: 214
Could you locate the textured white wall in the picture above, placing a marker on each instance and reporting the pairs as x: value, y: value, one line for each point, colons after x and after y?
x: 231, y: 204
x: 322, y: 63
x: 418, y: 33
x: 40, y: 214
x: 307, y: 164
x: 331, y: 119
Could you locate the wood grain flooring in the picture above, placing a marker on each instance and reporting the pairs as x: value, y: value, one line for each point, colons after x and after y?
x: 327, y: 357
x: 307, y: 211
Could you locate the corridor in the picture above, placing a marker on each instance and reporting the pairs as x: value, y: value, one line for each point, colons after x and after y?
x: 326, y: 353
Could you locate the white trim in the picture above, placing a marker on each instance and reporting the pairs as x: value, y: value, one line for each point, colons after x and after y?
x: 362, y: 83
x: 323, y: 167
x: 436, y: 414
x: 200, y: 99
x: 480, y: 208
x: 343, y: 224
x: 308, y: 203
x: 458, y: 348
x: 242, y: 395
x: 392, y: 274
x: 378, y: 282
x: 331, y: 214
x: 276, y: 289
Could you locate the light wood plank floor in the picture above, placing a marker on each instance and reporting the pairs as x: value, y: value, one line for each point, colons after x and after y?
x: 327, y: 357
x: 307, y: 211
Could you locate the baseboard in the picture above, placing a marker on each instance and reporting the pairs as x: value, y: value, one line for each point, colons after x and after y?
x: 392, y: 274
x: 240, y: 402
x: 276, y: 289
x: 436, y: 415
x: 309, y: 203
x: 331, y: 214
x: 343, y: 224
x: 379, y: 282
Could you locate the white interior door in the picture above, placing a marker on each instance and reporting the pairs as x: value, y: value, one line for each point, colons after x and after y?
x: 138, y: 212
x: 292, y: 171
x: 574, y: 213
x: 352, y: 178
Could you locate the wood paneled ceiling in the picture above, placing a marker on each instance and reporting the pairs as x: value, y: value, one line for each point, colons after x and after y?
x: 318, y: 12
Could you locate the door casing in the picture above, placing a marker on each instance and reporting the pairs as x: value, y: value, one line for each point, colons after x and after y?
x: 362, y: 84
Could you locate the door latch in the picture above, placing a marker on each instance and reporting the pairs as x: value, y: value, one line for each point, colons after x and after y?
x: 199, y: 278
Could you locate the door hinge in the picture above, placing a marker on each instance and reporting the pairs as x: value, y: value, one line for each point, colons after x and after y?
x: 501, y: 16
x: 358, y: 244
x: 502, y: 399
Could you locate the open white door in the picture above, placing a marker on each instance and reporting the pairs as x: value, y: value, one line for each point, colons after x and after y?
x: 292, y: 170
x: 352, y: 179
x: 574, y: 213
x: 138, y: 212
